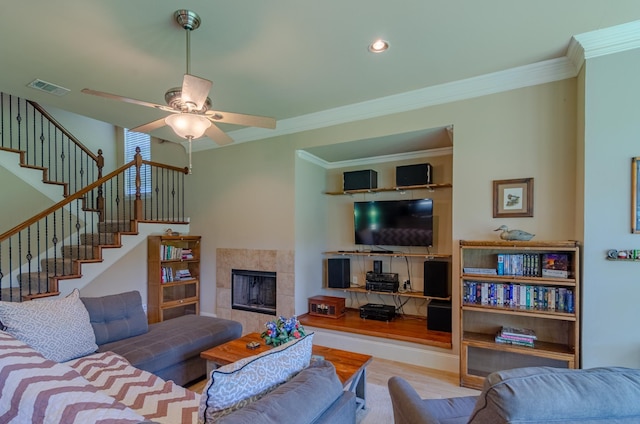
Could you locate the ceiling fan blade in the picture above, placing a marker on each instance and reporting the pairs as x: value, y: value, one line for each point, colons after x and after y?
x: 241, y: 119
x: 217, y: 135
x: 122, y: 99
x: 148, y: 127
x: 195, y: 90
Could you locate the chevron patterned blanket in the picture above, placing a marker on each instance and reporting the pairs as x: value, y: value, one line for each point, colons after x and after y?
x: 100, y: 388
x: 155, y: 399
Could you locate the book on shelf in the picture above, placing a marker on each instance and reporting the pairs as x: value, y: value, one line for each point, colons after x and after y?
x: 520, y: 264
x: 167, y: 274
x: 503, y: 340
x: 519, y: 296
x: 518, y: 332
x: 483, y: 271
x: 555, y: 265
x: 182, y: 274
x: 516, y: 336
x: 186, y: 254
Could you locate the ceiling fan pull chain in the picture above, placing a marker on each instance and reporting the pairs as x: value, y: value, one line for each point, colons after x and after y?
x: 190, y: 165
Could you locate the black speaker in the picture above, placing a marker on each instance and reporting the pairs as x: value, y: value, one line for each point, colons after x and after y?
x: 439, y: 315
x: 436, y: 278
x: 377, y: 267
x: 360, y: 180
x: 338, y: 273
x: 410, y: 175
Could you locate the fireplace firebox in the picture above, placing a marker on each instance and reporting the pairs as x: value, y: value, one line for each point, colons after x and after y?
x: 253, y: 291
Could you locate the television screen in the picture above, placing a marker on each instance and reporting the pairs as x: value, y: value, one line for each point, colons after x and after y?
x: 394, y: 222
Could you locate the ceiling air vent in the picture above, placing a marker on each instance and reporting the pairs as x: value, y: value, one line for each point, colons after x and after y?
x: 38, y: 84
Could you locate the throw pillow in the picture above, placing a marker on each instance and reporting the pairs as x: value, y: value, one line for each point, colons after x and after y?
x: 236, y: 385
x: 59, y: 329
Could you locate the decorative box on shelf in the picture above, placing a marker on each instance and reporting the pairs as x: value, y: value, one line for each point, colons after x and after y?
x: 326, y: 306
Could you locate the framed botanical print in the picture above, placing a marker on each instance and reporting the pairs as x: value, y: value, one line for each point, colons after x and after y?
x: 513, y: 198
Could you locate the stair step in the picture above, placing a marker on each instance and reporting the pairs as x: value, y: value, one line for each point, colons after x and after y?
x: 114, y: 226
x: 78, y: 251
x: 98, y: 238
x: 34, y: 280
x: 60, y: 266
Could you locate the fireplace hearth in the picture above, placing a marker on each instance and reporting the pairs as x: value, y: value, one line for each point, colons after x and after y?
x: 253, y: 291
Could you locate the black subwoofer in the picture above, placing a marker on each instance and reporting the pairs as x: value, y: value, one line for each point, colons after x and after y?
x: 439, y: 315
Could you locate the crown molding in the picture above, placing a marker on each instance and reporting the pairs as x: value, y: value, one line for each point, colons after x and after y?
x: 610, y: 40
x: 523, y: 76
x: 584, y: 46
x: 303, y: 154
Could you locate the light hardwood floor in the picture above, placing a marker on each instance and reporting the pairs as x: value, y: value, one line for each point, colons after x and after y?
x: 429, y: 383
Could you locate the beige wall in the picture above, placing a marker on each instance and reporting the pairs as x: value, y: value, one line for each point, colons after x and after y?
x: 246, y: 195
x: 577, y: 147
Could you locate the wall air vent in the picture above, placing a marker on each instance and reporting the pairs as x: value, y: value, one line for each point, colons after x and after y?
x: 38, y: 84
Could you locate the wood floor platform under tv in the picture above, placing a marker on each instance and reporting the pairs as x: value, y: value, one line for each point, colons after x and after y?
x: 407, y: 328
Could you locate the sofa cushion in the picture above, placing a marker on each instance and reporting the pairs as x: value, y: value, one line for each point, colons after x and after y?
x: 174, y: 341
x: 235, y: 385
x: 304, y: 399
x: 34, y: 389
x: 545, y: 394
x: 57, y: 328
x: 116, y: 317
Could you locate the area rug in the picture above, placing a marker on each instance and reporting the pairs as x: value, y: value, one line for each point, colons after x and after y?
x: 379, y: 410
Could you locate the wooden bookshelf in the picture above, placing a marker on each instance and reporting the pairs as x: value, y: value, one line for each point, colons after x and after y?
x: 167, y: 297
x: 557, y: 328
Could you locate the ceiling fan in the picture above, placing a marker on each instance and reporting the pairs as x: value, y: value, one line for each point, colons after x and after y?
x: 190, y: 107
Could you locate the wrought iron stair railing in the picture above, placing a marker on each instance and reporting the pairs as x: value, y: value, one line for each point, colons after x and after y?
x: 53, y: 244
x: 44, y: 144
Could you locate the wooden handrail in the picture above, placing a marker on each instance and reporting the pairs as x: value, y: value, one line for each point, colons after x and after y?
x: 64, y: 202
x: 184, y: 170
x: 64, y: 130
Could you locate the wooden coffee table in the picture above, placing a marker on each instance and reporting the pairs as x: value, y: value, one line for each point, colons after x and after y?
x: 350, y: 366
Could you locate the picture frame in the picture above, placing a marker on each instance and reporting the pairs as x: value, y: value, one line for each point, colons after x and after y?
x: 635, y: 196
x: 513, y: 198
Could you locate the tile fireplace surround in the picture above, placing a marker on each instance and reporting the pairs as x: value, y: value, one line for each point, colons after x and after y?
x: 280, y: 261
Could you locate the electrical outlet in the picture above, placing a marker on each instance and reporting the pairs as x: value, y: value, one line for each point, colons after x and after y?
x: 354, y: 280
x: 144, y: 307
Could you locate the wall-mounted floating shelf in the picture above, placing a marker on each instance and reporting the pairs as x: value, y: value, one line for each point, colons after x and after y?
x: 387, y: 189
x: 391, y: 254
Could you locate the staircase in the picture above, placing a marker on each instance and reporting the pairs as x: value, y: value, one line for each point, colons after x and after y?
x: 55, y: 244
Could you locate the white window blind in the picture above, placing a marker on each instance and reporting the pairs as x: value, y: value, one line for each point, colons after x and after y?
x: 131, y: 141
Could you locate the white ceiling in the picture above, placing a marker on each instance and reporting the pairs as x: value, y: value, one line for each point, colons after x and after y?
x: 302, y: 62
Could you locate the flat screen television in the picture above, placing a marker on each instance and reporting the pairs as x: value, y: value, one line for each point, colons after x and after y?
x: 394, y: 222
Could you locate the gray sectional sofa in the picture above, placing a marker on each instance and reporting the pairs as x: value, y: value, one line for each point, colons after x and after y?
x: 169, y: 349
x: 530, y: 395
x: 50, y: 344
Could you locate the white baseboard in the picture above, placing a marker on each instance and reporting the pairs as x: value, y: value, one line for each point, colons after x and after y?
x: 394, y: 350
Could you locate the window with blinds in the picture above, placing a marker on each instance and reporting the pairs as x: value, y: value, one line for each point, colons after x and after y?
x: 131, y: 141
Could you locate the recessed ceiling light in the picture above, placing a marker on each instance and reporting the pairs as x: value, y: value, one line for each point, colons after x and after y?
x: 378, y: 46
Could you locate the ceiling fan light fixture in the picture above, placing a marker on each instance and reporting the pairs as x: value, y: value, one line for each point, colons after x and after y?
x: 188, y: 125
